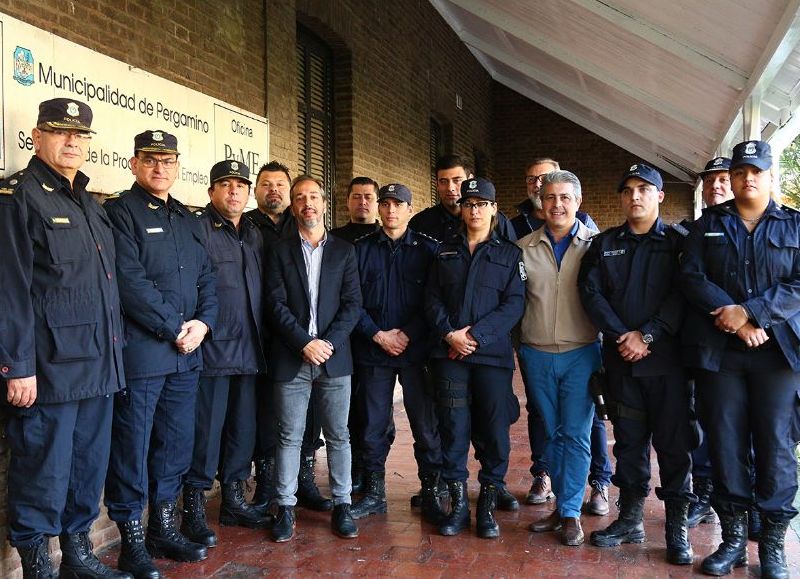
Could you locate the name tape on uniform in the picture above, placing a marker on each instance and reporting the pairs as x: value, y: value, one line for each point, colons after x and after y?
x: 613, y: 252
x: 155, y: 230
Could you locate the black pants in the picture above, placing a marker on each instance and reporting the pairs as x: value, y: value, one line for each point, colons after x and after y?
x: 654, y: 409
x: 224, y: 430
x: 755, y: 397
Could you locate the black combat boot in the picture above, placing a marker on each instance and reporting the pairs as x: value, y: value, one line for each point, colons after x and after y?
x: 308, y: 494
x: 628, y: 528
x: 701, y: 511
x: 133, y: 557
x: 679, y: 550
x: 430, y: 503
x: 78, y: 560
x: 36, y: 562
x: 236, y: 512
x: 265, y: 491
x: 733, y: 550
x: 771, y: 553
x: 484, y: 517
x: 193, y: 522
x: 459, y: 517
x: 374, y: 501
x: 505, y: 500
x: 164, y: 539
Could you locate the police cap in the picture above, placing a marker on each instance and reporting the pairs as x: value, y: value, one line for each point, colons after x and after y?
x: 230, y: 168
x: 644, y: 172
x: 756, y: 153
x: 716, y: 164
x: 395, y: 191
x: 155, y: 142
x: 477, y: 187
x: 63, y: 113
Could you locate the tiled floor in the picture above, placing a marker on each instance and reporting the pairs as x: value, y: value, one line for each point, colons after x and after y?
x: 399, y: 544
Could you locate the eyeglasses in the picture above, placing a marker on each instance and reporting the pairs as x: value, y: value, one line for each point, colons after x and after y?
x: 66, y: 134
x: 531, y: 179
x: 151, y: 162
x: 480, y: 205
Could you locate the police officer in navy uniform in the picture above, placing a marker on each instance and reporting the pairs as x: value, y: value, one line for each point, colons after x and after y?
x: 275, y: 220
x: 475, y: 296
x: 629, y: 289
x: 391, y: 342
x: 60, y: 345
x: 169, y: 298
x: 741, y: 275
x: 225, y: 428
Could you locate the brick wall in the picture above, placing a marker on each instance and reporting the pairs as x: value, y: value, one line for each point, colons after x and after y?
x: 523, y: 130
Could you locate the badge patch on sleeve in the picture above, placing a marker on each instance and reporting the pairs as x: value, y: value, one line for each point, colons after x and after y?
x: 523, y: 275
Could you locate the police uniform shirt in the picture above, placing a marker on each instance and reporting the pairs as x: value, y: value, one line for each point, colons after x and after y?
x: 724, y: 264
x: 352, y: 231
x: 59, y: 301
x: 439, y: 223
x: 236, y: 346
x: 393, y: 275
x: 165, y: 278
x: 485, y: 290
x: 629, y: 282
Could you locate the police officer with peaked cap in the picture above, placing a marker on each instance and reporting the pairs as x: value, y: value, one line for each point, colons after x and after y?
x: 167, y: 286
x: 60, y: 345
x: 391, y: 342
x: 629, y: 290
x: 474, y: 297
x: 225, y: 429
x: 741, y: 275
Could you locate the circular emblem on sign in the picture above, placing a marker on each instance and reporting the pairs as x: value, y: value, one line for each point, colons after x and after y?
x: 158, y: 136
x: 391, y: 187
x: 234, y: 166
x: 473, y: 184
x: 72, y: 109
x: 750, y: 149
x: 633, y: 167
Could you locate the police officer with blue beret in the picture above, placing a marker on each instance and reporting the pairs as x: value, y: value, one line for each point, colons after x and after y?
x: 391, y: 342
x: 167, y: 286
x: 629, y: 289
x: 741, y: 275
x: 475, y: 296
x: 225, y: 428
x: 60, y: 345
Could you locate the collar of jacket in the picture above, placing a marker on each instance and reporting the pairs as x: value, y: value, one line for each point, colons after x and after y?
x: 657, y: 231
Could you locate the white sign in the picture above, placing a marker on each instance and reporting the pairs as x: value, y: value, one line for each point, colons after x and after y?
x: 37, y: 65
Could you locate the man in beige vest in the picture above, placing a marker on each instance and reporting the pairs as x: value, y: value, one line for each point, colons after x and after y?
x: 559, y: 348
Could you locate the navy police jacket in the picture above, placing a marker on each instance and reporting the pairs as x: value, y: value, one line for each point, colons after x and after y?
x: 393, y: 275
x: 439, y: 223
x: 236, y: 346
x: 61, y: 318
x: 629, y: 282
x: 289, y: 311
x: 165, y: 279
x: 715, y: 273
x: 485, y: 290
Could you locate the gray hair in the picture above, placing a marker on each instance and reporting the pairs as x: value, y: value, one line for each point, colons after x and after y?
x: 563, y: 177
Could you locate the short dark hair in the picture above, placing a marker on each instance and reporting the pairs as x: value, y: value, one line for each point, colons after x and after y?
x: 302, y: 179
x: 363, y: 181
x: 451, y: 162
x: 275, y: 166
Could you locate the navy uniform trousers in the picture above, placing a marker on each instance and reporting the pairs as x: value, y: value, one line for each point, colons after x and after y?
x: 225, y: 430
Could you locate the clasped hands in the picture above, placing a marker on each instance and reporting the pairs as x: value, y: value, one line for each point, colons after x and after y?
x: 734, y: 320
x: 461, y: 343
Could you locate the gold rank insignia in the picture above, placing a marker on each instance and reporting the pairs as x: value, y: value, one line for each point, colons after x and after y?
x: 6, y: 191
x: 60, y: 220
x: 47, y: 188
x: 217, y: 224
x: 152, y: 206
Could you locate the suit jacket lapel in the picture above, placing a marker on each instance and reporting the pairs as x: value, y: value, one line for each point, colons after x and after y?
x: 297, y: 256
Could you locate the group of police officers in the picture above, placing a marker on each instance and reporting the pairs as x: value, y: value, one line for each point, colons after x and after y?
x: 147, y: 350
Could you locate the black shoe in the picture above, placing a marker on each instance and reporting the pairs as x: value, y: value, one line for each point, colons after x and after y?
x: 164, y: 540
x: 505, y: 500
x: 342, y: 522
x: 701, y: 511
x: 133, y: 556
x: 374, y: 501
x: 265, y: 492
x: 283, y: 529
x: 308, y: 494
x: 628, y: 528
x: 430, y: 502
x: 487, y: 527
x: 235, y: 512
x: 36, y: 563
x: 193, y: 522
x: 733, y: 550
x: 679, y: 550
x: 753, y: 524
x: 771, y: 549
x: 459, y: 517
x: 78, y: 560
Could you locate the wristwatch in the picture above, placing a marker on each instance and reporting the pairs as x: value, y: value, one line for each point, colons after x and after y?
x: 647, y: 338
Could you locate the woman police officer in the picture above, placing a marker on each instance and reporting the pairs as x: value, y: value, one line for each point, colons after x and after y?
x: 475, y: 296
x: 741, y: 275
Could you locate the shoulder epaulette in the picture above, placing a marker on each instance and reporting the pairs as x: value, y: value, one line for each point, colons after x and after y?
x: 426, y: 236
x: 9, y: 184
x: 357, y: 239
x: 114, y: 195
x: 679, y: 228
x: 199, y: 212
x: 789, y: 209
